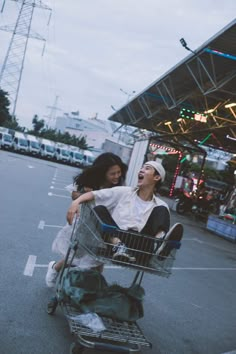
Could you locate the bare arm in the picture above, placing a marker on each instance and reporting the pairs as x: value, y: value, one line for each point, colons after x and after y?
x: 86, y: 197
x: 75, y: 194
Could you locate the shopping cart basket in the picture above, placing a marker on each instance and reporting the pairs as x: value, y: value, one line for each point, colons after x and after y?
x: 91, y: 236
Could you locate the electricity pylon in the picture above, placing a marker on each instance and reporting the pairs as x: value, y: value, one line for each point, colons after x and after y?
x: 11, y: 71
x: 51, y: 118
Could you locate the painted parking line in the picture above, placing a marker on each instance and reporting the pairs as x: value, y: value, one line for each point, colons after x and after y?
x: 203, y: 268
x: 31, y: 265
x: 59, y: 180
x: 59, y: 183
x: 42, y: 225
x: 59, y: 189
x: 50, y: 194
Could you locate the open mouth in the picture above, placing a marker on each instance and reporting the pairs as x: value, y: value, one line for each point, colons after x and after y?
x: 140, y: 177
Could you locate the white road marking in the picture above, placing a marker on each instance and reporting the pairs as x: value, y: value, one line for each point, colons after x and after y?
x: 196, y: 305
x: 232, y: 352
x: 59, y: 189
x: 60, y: 183
x: 30, y: 265
x: 60, y: 180
x: 106, y: 266
x: 58, y: 195
x: 42, y: 225
x: 202, y: 268
x: 30, y: 166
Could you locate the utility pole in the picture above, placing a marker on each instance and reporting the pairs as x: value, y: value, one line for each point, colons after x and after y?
x: 52, y: 115
x: 11, y: 71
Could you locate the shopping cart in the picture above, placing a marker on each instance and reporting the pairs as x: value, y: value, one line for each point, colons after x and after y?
x: 91, y: 236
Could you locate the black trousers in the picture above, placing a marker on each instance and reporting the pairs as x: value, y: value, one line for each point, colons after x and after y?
x: 142, y: 242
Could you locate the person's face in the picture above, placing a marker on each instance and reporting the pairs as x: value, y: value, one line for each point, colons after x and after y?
x: 113, y: 175
x: 147, y: 176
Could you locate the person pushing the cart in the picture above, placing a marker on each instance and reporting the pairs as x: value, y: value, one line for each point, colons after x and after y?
x: 138, y: 209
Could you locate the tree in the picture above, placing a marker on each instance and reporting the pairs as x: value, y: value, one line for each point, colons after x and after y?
x: 38, y: 124
x: 4, y: 107
x: 12, y: 123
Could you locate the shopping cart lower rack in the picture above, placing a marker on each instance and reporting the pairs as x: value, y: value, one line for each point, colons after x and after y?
x: 91, y: 236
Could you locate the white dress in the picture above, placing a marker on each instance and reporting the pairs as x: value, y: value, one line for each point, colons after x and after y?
x: 61, y: 244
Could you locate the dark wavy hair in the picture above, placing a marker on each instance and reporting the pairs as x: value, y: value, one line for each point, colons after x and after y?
x: 95, y: 176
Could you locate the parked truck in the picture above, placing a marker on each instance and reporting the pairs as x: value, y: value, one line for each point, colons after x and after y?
x: 88, y: 158
x: 47, y: 149
x: 20, y: 143
x: 33, y: 145
x: 62, y: 152
x: 6, y: 140
x: 76, y: 156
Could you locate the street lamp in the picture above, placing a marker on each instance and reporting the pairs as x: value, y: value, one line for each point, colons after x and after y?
x: 128, y: 94
x: 184, y: 44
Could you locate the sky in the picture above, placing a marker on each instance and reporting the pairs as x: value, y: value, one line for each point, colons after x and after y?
x: 98, y: 52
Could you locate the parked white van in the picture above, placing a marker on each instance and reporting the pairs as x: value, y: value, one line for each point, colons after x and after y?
x: 33, y: 145
x: 62, y: 152
x: 88, y: 158
x: 20, y: 142
x: 76, y: 156
x: 47, y: 148
x: 6, y: 140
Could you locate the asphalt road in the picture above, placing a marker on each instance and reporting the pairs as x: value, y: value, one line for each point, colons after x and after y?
x: 192, y: 312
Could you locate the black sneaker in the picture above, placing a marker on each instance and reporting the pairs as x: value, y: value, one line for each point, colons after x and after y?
x: 121, y: 253
x: 171, y: 241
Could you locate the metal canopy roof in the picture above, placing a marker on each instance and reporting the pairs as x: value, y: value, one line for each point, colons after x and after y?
x: 190, y: 99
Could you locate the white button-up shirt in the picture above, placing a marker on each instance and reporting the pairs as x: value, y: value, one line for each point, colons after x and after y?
x: 121, y: 203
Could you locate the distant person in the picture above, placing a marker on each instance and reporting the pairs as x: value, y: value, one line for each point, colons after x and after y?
x: 107, y: 171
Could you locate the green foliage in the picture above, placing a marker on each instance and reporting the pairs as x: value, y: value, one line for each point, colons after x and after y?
x: 12, y: 123
x: 4, y: 107
x: 38, y: 124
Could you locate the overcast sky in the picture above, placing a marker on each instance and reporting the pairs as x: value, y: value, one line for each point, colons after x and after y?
x: 96, y: 47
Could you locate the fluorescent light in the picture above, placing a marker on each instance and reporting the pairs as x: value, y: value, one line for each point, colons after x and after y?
x: 209, y: 110
x: 230, y: 105
x: 230, y: 137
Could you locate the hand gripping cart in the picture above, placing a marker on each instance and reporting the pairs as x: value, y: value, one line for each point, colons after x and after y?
x: 90, y: 235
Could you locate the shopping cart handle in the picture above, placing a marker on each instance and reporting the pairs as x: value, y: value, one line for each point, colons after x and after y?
x: 108, y: 228
x: 174, y: 244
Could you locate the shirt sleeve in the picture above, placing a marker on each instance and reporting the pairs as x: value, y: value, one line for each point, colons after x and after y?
x: 109, y: 197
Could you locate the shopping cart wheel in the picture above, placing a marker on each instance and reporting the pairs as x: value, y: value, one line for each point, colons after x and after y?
x: 76, y: 348
x: 52, y: 305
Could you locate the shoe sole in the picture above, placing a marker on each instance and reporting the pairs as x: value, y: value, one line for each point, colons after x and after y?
x: 123, y: 258
x: 176, y: 234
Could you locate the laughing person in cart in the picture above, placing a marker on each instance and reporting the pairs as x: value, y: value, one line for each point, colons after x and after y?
x: 136, y: 209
